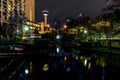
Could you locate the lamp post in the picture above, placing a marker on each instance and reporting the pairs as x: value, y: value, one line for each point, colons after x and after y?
x: 25, y: 31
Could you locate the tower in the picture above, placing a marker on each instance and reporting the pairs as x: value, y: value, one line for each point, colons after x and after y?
x: 45, y: 14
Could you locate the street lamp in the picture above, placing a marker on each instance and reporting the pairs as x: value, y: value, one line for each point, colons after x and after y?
x: 25, y: 31
x: 65, y: 26
x: 26, y: 28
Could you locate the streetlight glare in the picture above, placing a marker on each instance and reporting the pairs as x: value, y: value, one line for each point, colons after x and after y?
x: 85, y: 31
x: 26, y: 28
x: 58, y: 37
x: 65, y: 26
x: 26, y: 71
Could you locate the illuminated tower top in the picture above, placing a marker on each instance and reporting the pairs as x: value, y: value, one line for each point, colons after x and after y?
x: 45, y: 12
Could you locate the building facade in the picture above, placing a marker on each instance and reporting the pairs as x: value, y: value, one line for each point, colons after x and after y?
x: 30, y: 10
x: 11, y: 15
x: 15, y: 15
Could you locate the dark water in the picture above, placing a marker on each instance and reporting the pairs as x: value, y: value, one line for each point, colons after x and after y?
x: 60, y: 63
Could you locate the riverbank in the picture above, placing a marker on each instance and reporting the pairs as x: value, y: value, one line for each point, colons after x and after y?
x: 102, y: 49
x: 108, y: 50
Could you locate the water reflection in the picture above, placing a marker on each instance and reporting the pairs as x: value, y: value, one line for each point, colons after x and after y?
x: 77, y: 66
x: 74, y: 67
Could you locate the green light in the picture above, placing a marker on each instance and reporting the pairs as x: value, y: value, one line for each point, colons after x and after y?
x: 45, y: 65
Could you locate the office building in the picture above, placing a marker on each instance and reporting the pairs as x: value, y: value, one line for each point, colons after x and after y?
x: 11, y: 15
x: 30, y: 10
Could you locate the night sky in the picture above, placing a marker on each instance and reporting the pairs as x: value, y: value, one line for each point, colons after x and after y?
x: 60, y: 9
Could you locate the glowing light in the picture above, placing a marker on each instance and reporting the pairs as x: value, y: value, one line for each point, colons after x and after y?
x: 65, y: 26
x: 85, y: 31
x: 26, y: 28
x: 58, y: 37
x: 48, y: 25
x: 58, y: 49
x: 45, y: 67
x: 89, y: 66
x: 65, y: 58
x: 81, y: 57
x: 76, y: 57
x: 85, y: 62
x: 45, y: 14
x: 80, y: 15
x: 68, y: 69
x: 68, y: 20
x: 103, y: 64
x: 26, y: 71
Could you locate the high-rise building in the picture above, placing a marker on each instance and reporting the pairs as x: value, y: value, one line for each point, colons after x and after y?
x: 30, y: 10
x: 11, y: 14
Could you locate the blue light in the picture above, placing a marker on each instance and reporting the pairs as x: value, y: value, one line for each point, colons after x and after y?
x: 91, y: 69
x: 73, y: 64
x: 68, y: 69
x: 21, y: 75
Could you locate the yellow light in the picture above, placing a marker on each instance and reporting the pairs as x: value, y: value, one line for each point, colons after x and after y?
x: 45, y: 14
x: 28, y: 23
x: 65, y: 58
x: 89, y: 66
x: 81, y: 27
x: 103, y: 64
x: 65, y: 26
x: 48, y: 25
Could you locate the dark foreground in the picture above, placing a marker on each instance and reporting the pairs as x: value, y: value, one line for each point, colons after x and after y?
x: 68, y: 61
x: 78, y: 66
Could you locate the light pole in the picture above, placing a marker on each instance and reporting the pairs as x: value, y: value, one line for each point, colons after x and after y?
x: 25, y: 31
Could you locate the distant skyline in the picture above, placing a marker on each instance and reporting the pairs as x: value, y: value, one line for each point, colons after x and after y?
x: 60, y: 9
